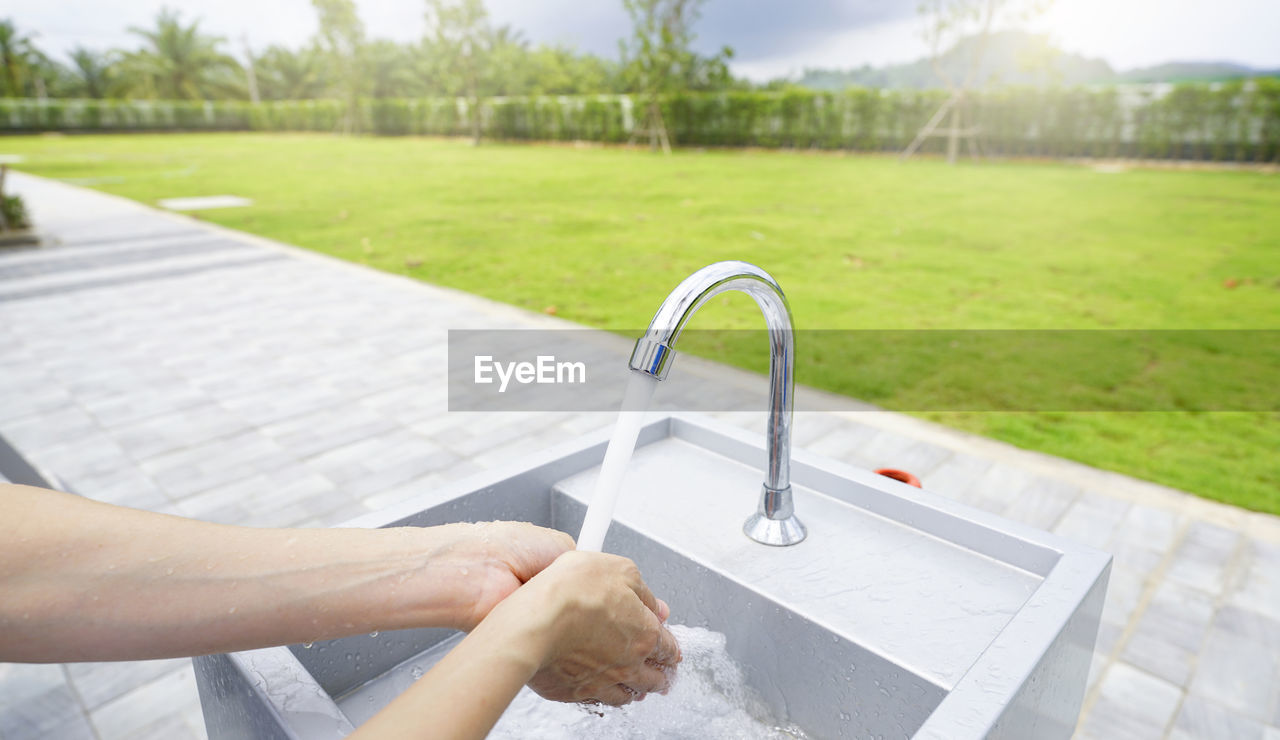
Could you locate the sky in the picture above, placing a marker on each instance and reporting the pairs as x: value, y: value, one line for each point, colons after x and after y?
x: 771, y: 38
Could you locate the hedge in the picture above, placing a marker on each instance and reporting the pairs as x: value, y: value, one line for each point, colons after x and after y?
x: 1234, y: 121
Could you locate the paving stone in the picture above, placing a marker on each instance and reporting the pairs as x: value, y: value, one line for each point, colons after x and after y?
x: 74, y: 726
x: 276, y: 489
x: 1132, y: 704
x: 1159, y: 658
x: 1178, y: 615
x: 56, y: 427
x: 1124, y: 591
x: 22, y: 681
x: 1201, y: 718
x: 1135, y: 557
x: 128, y: 716
x: 1237, y: 673
x: 341, y: 514
x: 1042, y: 503
x: 808, y: 428
x: 333, y: 434
x: 385, y: 478
x: 38, y: 714
x: 1249, y: 625
x: 90, y: 457
x: 891, y: 450
x: 171, y: 727
x: 18, y: 406
x: 1201, y: 559
x: 403, y: 492
x: 1259, y: 590
x: 168, y: 432
x: 131, y: 489
x: 997, y: 488
x: 99, y: 683
x: 1149, y: 527
x: 234, y: 514
x: 1092, y: 520
x: 955, y: 476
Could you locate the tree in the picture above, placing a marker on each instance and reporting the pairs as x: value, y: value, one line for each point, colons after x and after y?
x: 947, y: 23
x: 94, y: 73
x: 660, y: 61
x: 178, y: 62
x: 557, y: 70
x: 342, y: 37
x: 284, y: 74
x: 459, y: 36
x: 391, y: 70
x: 18, y: 55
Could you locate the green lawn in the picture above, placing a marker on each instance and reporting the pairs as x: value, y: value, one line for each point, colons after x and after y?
x: 857, y: 242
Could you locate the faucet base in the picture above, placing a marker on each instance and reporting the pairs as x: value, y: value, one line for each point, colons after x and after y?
x: 774, y: 532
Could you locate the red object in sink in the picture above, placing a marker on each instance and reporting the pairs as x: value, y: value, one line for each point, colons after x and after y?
x: 900, y: 475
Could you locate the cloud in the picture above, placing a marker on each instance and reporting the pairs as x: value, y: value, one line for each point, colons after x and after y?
x: 757, y: 30
x: 760, y: 30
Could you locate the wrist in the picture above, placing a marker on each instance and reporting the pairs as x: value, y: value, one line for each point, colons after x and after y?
x: 514, y: 636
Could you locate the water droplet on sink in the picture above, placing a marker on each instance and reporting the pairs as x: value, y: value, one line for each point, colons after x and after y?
x: 416, y: 673
x: 373, y: 633
x: 307, y: 645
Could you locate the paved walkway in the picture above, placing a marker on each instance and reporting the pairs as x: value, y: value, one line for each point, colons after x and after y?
x: 157, y: 362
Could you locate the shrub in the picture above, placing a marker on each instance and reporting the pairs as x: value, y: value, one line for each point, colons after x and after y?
x: 15, y: 212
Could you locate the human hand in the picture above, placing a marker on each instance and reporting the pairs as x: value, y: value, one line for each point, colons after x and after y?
x: 488, y: 561
x: 597, y: 628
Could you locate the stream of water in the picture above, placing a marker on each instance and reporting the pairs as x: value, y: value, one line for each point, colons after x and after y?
x: 621, y: 446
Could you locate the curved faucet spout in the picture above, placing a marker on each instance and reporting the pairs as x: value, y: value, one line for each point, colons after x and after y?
x: 774, y: 522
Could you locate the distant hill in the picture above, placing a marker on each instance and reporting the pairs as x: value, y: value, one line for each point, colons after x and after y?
x: 1190, y: 71
x: 1019, y: 58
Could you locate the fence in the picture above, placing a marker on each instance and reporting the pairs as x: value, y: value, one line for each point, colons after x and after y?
x: 1234, y: 121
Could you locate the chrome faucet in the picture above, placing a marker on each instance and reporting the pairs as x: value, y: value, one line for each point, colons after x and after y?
x: 774, y: 522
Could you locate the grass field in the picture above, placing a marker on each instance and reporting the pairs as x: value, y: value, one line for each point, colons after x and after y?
x: 600, y: 235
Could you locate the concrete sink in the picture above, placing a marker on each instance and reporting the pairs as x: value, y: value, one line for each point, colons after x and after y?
x: 902, y: 614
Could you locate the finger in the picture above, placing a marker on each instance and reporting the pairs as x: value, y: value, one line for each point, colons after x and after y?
x: 664, y: 610
x: 650, y: 679
x: 667, y: 651
x: 647, y: 597
x: 615, y: 695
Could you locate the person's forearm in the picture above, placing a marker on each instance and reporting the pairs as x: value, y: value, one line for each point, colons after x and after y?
x: 81, y: 580
x: 463, y: 696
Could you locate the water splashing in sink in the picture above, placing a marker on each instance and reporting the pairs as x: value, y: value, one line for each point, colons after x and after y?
x: 710, y: 698
x: 621, y: 446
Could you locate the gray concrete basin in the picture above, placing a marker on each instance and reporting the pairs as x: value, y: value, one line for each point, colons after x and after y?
x: 903, y: 614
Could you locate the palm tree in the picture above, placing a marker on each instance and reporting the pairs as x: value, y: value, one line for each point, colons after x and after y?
x: 284, y: 74
x: 16, y: 55
x: 179, y: 62
x: 93, y: 72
